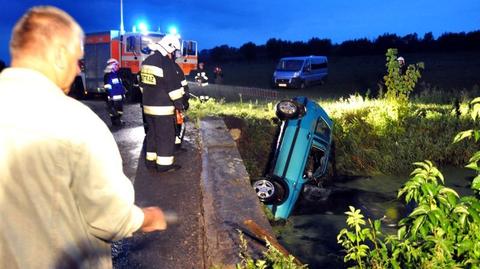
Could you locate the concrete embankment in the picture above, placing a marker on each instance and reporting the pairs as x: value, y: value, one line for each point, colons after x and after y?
x: 228, y: 198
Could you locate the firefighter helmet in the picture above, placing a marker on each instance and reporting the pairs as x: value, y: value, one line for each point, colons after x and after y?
x: 170, y: 43
x: 111, y: 63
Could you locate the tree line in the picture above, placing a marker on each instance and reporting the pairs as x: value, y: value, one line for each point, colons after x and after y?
x: 275, y: 48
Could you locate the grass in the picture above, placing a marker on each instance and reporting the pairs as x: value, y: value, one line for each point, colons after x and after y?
x: 371, y: 136
x: 453, y: 72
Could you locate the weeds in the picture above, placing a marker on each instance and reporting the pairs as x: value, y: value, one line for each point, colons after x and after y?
x: 442, y: 231
x: 371, y: 136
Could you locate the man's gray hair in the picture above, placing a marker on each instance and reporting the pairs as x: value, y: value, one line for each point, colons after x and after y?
x: 41, y: 28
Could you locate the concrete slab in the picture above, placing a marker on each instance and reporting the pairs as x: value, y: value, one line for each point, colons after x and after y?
x: 228, y: 198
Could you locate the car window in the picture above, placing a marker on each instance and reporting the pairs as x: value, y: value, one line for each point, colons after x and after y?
x: 322, y: 129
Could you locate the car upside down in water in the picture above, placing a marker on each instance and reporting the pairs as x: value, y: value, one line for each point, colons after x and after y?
x: 301, y: 155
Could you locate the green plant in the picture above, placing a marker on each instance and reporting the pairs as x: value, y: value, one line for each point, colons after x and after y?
x: 354, y: 241
x: 475, y: 134
x: 399, y: 86
x: 442, y: 231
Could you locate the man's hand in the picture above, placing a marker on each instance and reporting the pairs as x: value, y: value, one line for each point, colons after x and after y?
x: 154, y: 219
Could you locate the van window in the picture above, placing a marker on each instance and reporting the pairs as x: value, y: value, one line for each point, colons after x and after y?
x: 290, y: 65
x: 307, y: 66
x: 318, y: 65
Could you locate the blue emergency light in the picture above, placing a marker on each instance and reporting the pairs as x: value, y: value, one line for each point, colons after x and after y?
x: 173, y: 30
x: 143, y: 27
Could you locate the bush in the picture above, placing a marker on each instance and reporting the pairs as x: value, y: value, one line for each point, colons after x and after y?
x: 442, y: 231
x: 400, y: 85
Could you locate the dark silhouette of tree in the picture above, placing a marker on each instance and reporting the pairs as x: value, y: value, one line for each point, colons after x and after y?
x: 472, y: 40
x: 452, y: 41
x: 276, y: 48
x: 409, y: 43
x: 319, y: 46
x: 219, y: 54
x: 249, y: 51
x: 428, y: 42
x: 355, y: 47
x: 386, y: 41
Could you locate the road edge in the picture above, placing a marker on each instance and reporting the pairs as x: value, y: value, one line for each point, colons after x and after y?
x: 227, y: 196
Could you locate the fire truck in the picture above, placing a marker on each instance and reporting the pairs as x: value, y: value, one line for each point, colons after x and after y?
x: 129, y: 50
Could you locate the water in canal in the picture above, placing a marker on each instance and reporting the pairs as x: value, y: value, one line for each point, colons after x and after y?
x: 310, y: 233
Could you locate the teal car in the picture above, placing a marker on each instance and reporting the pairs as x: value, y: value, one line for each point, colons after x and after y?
x: 301, y: 155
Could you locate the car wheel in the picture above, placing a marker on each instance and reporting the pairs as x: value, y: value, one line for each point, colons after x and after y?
x: 270, y: 191
x: 289, y: 109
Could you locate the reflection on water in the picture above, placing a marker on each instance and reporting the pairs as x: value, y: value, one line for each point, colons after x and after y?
x: 310, y: 233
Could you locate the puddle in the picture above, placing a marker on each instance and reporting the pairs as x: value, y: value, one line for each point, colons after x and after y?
x: 310, y: 233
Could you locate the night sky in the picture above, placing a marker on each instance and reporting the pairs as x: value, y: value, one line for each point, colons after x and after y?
x: 236, y: 22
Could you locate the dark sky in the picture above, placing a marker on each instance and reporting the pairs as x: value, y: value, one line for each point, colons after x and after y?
x: 235, y: 22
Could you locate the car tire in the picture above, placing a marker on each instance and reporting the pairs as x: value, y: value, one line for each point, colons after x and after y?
x: 300, y: 111
x: 271, y: 191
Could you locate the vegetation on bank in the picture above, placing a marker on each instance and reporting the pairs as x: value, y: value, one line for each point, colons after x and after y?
x: 387, y: 135
x: 442, y: 231
x: 371, y: 135
x: 272, y: 258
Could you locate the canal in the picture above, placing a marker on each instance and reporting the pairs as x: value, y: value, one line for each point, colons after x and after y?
x: 310, y: 232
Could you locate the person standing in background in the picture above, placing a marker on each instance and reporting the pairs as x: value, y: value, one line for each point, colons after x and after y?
x: 63, y: 194
x: 402, y: 67
x: 115, y: 91
x: 201, y: 76
x: 218, y: 72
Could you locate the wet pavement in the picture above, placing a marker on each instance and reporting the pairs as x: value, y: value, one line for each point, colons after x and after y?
x: 211, y: 195
x: 181, y: 245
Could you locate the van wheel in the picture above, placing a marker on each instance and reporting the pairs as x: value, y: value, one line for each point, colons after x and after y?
x: 270, y: 191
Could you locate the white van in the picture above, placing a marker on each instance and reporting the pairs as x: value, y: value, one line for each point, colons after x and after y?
x: 300, y: 72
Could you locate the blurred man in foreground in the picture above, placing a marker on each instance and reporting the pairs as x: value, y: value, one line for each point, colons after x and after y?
x: 63, y: 194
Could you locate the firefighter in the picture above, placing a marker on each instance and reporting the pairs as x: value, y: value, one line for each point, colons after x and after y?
x: 201, y: 76
x: 218, y: 72
x: 115, y: 91
x: 402, y: 66
x: 162, y: 94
